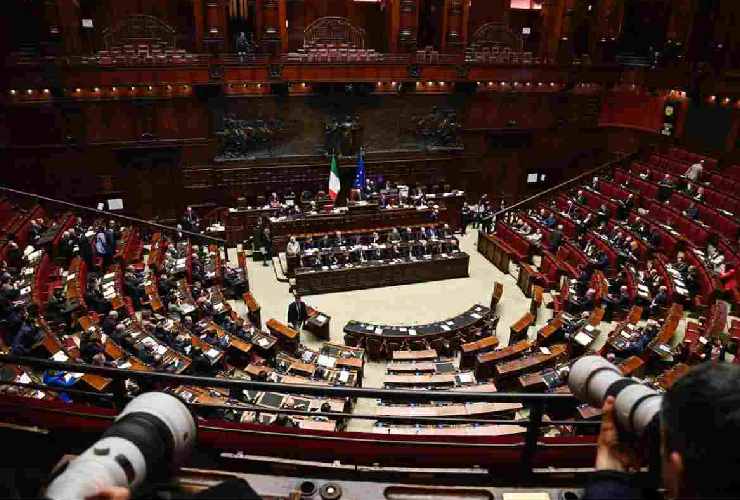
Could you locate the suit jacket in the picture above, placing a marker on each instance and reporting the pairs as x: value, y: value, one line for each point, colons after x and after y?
x: 297, y: 312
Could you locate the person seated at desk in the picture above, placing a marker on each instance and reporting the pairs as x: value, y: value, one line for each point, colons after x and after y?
x: 660, y: 300
x: 681, y: 265
x: 274, y: 201
x: 638, y: 346
x: 308, y: 244
x: 654, y: 239
x: 581, y: 198
x: 691, y: 280
x: 665, y: 188
x: 394, y: 237
x: 535, y: 238
x: 200, y: 364
x: 293, y: 248
x: 446, y: 232
x: 339, y: 240
x: 26, y: 338
x: 699, y: 196
x: 189, y: 220
x: 408, y: 235
x: 584, y: 304
x: 693, y: 173
x: 521, y: 227
x: 90, y: 345
x: 431, y: 233
x: 625, y: 206
x: 549, y: 220
x: 110, y: 322
x: 601, y: 261
x: 383, y: 201
x: 570, y: 327
x: 618, y: 302
x: 324, y: 243
x: 603, y: 214
x: 556, y: 238
x: 570, y: 209
x: 692, y: 212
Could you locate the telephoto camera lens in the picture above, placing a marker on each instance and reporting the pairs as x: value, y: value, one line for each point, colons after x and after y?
x: 153, y: 435
x: 592, y: 379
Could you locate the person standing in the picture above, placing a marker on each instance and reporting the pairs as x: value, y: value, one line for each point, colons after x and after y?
x: 267, y: 242
x: 297, y: 313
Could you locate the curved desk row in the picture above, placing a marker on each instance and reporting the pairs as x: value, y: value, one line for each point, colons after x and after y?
x: 373, y: 274
x: 381, y: 341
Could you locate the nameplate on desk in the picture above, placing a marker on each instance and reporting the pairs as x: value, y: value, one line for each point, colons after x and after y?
x: 412, y: 331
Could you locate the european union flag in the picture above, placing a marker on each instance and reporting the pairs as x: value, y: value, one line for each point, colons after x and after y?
x: 360, y: 172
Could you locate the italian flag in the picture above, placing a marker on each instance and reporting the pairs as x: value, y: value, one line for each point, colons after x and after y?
x: 334, y: 183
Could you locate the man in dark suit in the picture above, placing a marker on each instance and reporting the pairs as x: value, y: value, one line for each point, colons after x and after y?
x: 297, y: 313
x: 556, y: 238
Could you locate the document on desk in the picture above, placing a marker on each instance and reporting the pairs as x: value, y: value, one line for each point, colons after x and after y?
x: 263, y: 342
x: 327, y: 361
x: 60, y: 356
x: 412, y: 331
x: 445, y: 328
x: 344, y: 376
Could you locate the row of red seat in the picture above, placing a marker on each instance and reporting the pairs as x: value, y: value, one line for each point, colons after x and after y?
x: 724, y: 225
x: 689, y: 157
x: 521, y: 246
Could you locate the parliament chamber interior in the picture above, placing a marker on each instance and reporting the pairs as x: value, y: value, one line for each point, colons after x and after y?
x: 363, y: 243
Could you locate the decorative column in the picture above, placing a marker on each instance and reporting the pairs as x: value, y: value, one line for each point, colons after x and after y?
x: 455, y: 25
x: 216, y: 36
x: 608, y: 27
x: 198, y: 24
x: 272, y: 35
x: 64, y: 24
x: 552, y: 23
x: 404, y: 25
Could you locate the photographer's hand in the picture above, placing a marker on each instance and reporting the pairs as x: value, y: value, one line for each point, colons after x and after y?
x: 610, y: 453
x: 112, y: 493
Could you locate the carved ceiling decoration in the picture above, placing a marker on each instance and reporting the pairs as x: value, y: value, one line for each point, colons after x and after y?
x: 496, y: 34
x: 334, y: 31
x: 140, y: 29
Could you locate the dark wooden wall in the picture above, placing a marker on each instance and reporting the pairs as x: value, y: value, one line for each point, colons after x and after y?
x: 159, y: 155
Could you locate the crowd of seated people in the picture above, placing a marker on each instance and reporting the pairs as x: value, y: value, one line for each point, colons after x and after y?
x: 166, y: 311
x: 338, y: 250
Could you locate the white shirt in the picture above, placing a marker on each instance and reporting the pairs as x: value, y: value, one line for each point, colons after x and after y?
x: 694, y: 171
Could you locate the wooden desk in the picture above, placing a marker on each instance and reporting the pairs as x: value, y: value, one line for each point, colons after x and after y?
x: 421, y: 379
x: 495, y: 250
x: 541, y: 381
x: 520, y: 328
x: 550, y: 331
x: 317, y: 323
x: 413, y: 367
x: 446, y: 410
x: 373, y: 274
x: 525, y: 280
x: 485, y: 362
x: 538, y: 359
x: 348, y: 221
x: 382, y: 340
x: 470, y: 350
x: 287, y: 337
x: 414, y: 355
x: 253, y: 310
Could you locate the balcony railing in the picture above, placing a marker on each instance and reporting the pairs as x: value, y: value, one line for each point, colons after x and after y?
x: 534, y: 422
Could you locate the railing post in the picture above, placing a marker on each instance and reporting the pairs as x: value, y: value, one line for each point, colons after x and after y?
x: 532, y: 436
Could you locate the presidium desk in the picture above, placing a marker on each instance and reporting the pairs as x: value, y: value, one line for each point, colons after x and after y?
x: 378, y: 273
